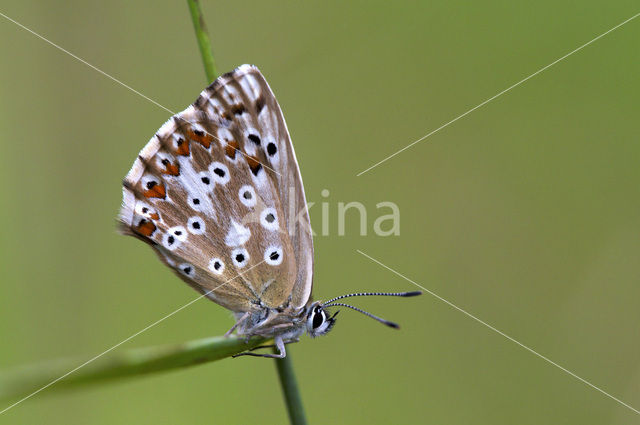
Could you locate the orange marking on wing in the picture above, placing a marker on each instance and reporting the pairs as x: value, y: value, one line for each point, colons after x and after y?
x: 173, y: 170
x: 183, y: 147
x: 254, y: 164
x: 154, y: 216
x: 145, y: 228
x: 201, y: 137
x: 157, y: 191
x: 231, y: 149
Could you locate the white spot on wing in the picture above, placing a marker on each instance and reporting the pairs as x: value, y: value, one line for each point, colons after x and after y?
x: 197, y: 191
x: 219, y: 173
x: 273, y: 255
x: 197, y: 127
x: 216, y: 265
x: 240, y: 257
x: 237, y: 235
x: 170, y: 241
x: 187, y: 270
x: 175, y: 137
x: 149, y: 178
x: 196, y: 225
x: 275, y: 157
x: 247, y: 195
x: 145, y: 210
x: 251, y: 147
x: 179, y: 232
x: 269, y: 219
x: 206, y: 180
x: 161, y: 157
x: 261, y: 179
x: 195, y: 203
x: 224, y: 134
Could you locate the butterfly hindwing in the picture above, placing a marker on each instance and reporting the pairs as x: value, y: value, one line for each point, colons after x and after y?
x: 210, y: 192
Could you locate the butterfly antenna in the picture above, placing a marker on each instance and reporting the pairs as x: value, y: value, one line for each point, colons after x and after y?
x: 366, y: 313
x: 368, y: 294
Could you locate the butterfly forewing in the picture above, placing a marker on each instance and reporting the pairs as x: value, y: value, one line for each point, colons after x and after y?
x: 217, y: 193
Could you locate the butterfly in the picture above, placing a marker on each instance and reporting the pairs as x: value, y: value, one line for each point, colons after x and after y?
x: 217, y: 193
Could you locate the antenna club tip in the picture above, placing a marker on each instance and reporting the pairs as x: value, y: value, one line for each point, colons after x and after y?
x: 412, y: 294
x: 392, y: 325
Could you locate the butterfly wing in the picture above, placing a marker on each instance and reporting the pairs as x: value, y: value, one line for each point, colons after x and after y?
x: 217, y: 193
x: 277, y: 152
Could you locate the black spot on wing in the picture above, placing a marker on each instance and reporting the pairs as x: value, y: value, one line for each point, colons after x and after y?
x: 259, y: 104
x: 254, y: 138
x: 238, y: 109
x: 272, y: 149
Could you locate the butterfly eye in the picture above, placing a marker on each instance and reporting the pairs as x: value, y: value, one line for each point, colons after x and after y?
x: 220, y: 173
x: 240, y: 257
x: 187, y: 270
x: 319, y: 318
x: 247, y: 195
x: 196, y: 225
x: 216, y: 265
x: 273, y: 255
x: 318, y: 323
x: 268, y: 219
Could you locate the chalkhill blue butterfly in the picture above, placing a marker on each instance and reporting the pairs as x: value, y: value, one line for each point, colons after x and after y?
x: 217, y: 193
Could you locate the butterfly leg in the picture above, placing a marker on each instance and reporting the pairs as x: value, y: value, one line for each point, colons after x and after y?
x: 259, y: 347
x: 279, y: 343
x: 238, y: 323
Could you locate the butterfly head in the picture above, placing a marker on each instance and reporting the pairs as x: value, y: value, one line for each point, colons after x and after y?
x: 319, y: 322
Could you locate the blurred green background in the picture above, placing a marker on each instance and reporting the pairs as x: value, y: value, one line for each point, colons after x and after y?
x: 524, y: 213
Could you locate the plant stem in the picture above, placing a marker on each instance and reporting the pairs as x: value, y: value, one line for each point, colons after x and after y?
x: 203, y: 40
x: 135, y: 362
x: 284, y: 366
x: 290, y: 391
